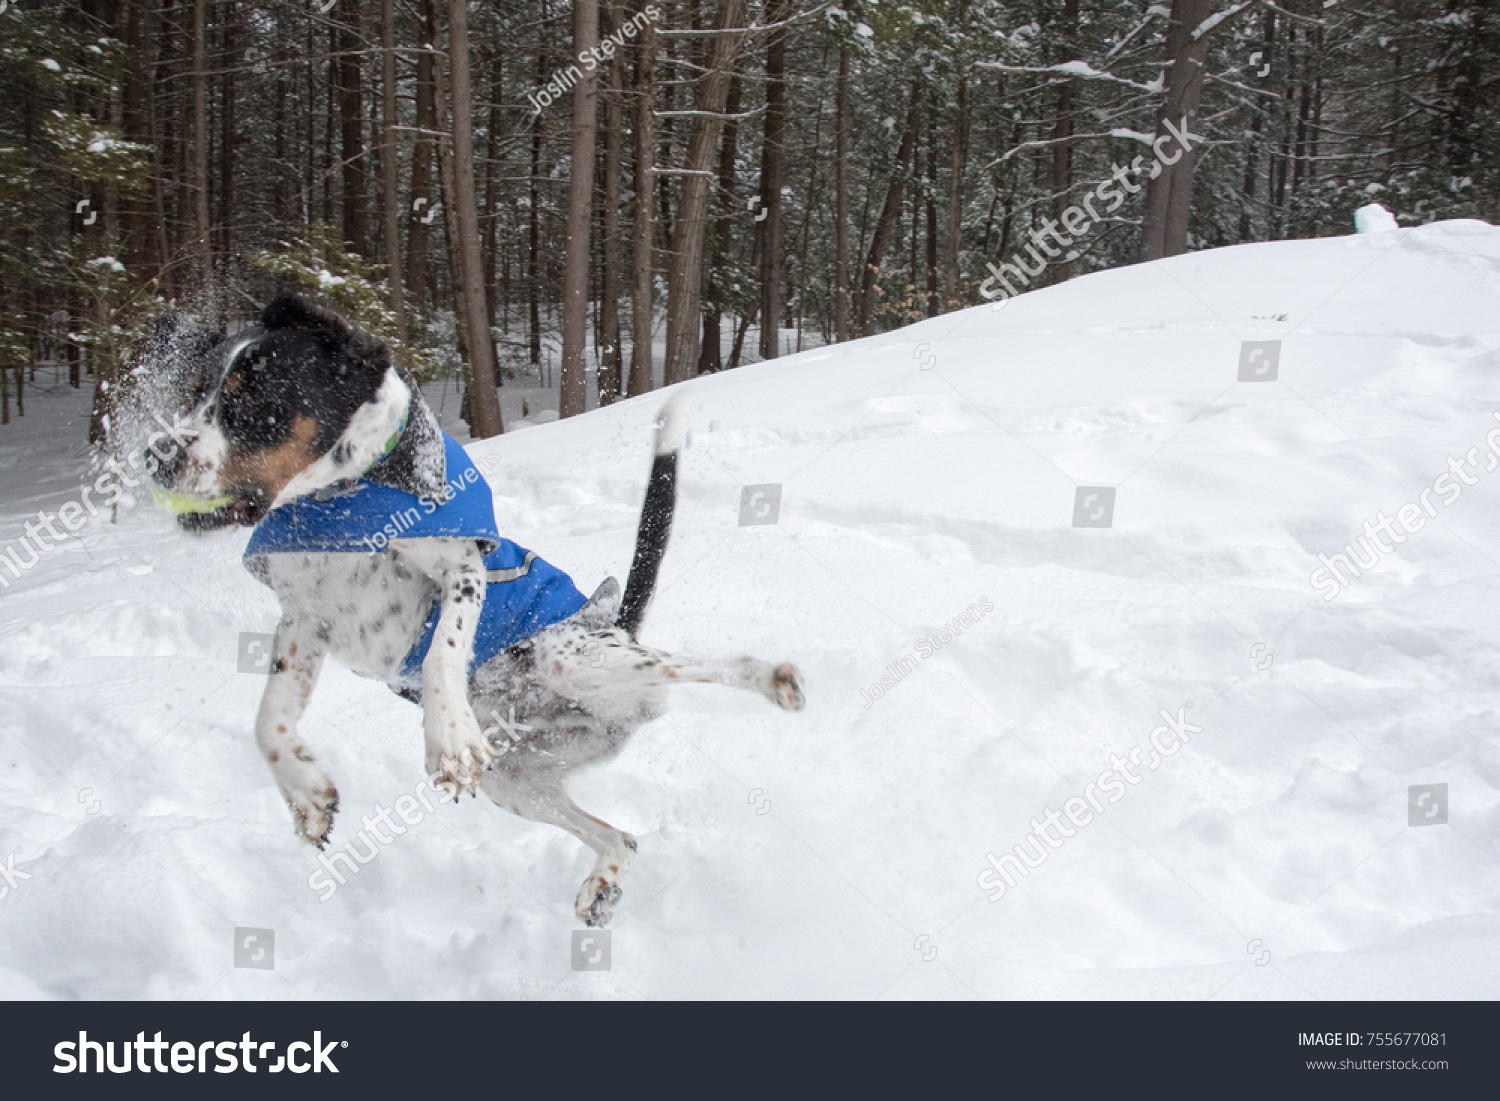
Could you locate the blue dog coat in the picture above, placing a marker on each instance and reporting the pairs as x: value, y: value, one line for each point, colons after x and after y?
x: 524, y: 593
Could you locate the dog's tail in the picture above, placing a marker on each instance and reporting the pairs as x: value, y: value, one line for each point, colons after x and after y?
x: 656, y: 519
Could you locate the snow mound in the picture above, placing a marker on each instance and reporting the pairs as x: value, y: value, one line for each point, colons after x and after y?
x: 1374, y: 218
x: 1001, y: 544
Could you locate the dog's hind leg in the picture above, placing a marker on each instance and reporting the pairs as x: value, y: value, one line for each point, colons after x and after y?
x: 578, y: 663
x: 542, y: 797
x: 781, y: 684
x: 313, y: 799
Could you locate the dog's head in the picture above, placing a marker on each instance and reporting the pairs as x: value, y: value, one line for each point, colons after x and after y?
x: 283, y: 408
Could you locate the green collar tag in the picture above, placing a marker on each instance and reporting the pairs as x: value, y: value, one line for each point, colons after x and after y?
x: 390, y: 444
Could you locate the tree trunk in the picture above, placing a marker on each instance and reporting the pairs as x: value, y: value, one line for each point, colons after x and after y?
x: 841, y: 200
x: 202, y: 245
x: 228, y: 138
x: 484, y: 403
x: 1062, y: 132
x: 444, y: 201
x: 533, y: 256
x: 711, y: 355
x: 642, y: 376
x: 1252, y: 146
x: 159, y: 161
x: 491, y: 202
x: 934, y: 304
x: 685, y: 269
x: 351, y: 129
x: 573, y: 398
x: 958, y: 157
x: 772, y: 168
x: 1169, y: 196
x: 611, y: 360
x: 889, y: 211
x: 420, y: 216
x: 390, y: 186
x: 1304, y: 117
x: 280, y: 94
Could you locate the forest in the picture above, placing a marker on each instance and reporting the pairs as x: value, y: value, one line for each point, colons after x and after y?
x: 611, y: 196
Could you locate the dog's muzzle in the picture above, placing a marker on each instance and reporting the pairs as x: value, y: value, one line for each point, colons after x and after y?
x: 169, y: 468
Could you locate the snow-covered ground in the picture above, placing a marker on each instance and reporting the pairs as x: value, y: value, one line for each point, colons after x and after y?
x: 838, y: 852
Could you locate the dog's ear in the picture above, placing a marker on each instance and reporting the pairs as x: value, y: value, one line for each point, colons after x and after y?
x: 289, y: 311
x: 175, y: 358
x: 169, y: 334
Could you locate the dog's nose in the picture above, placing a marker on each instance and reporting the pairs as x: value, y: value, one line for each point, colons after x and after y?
x: 170, y: 459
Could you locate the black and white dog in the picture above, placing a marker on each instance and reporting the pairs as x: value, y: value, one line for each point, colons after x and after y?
x: 303, y: 414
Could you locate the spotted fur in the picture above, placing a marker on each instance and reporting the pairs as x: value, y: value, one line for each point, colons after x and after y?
x: 570, y: 695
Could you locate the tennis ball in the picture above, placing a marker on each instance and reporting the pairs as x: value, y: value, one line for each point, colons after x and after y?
x: 184, y: 502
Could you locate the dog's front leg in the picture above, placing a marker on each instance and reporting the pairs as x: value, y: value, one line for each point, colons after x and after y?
x: 308, y: 792
x: 455, y: 745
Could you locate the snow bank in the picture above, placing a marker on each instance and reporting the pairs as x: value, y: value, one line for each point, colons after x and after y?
x: 838, y: 853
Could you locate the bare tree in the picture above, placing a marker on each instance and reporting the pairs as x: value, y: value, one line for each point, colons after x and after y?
x: 575, y: 312
x: 351, y: 127
x: 390, y: 187
x: 685, y: 268
x: 533, y: 234
x: 1062, y: 130
x: 611, y: 363
x: 448, y: 187
x: 641, y: 368
x: 484, y: 404
x: 421, y: 216
x: 841, y: 115
x: 772, y: 163
x: 1169, y: 196
x: 711, y: 354
x: 958, y: 158
x: 202, y: 229
x: 492, y: 169
x: 889, y: 210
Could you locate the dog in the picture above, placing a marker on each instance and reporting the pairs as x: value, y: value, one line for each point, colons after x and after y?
x: 376, y: 533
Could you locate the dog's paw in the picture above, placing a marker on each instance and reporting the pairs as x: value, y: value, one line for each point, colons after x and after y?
x: 313, y: 811
x: 460, y: 762
x: 596, y: 900
x: 786, y: 688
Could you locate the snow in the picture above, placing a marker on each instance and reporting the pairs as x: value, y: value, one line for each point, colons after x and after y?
x: 837, y: 852
x: 1080, y: 68
x: 1374, y: 218
x: 1076, y: 68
